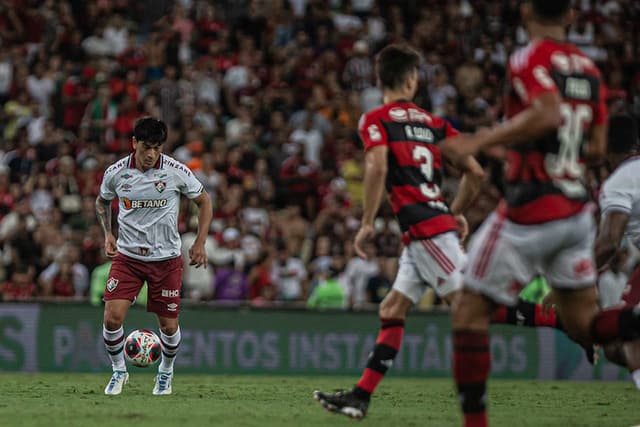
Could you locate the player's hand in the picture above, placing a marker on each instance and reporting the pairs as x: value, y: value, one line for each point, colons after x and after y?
x: 364, y: 234
x: 197, y: 255
x: 110, y: 247
x: 463, y: 227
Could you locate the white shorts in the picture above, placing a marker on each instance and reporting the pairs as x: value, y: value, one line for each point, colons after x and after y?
x: 435, y: 262
x: 504, y: 255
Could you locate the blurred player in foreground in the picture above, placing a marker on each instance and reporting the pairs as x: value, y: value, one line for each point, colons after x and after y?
x: 620, y: 217
x: 148, y: 185
x: 557, y: 120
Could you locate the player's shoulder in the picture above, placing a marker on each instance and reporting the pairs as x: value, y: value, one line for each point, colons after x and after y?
x: 626, y: 174
x: 118, y: 166
x: 174, y: 166
x: 400, y: 112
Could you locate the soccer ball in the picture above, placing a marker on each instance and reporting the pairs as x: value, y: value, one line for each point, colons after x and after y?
x: 142, y: 348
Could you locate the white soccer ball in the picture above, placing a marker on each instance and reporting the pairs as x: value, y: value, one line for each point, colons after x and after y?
x: 142, y: 348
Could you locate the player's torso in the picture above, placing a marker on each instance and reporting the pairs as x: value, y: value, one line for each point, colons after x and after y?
x: 415, y: 169
x: 148, y: 212
x: 626, y: 180
x: 545, y: 177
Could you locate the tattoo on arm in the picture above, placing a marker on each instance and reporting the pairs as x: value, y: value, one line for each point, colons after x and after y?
x: 103, y: 212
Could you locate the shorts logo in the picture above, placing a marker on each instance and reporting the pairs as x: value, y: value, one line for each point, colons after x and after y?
x: 171, y: 293
x: 160, y: 186
x: 112, y: 284
x: 172, y: 307
x: 583, y: 268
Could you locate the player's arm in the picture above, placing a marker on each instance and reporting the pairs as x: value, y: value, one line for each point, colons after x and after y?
x: 612, y: 229
x: 375, y: 174
x: 103, y: 212
x: 205, y: 215
x: 541, y: 118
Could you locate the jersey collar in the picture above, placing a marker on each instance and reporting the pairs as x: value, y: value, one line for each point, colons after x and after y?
x: 132, y: 161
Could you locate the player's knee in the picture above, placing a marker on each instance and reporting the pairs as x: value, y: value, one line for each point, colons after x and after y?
x: 169, y: 327
x: 394, y: 306
x: 112, y: 322
x: 470, y: 311
x: 113, y: 319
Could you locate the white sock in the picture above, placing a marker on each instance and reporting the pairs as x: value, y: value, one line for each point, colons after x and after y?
x: 114, y: 343
x: 170, y: 345
x: 635, y: 376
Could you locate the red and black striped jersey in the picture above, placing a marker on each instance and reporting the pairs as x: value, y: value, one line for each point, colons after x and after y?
x: 414, y: 172
x: 545, y: 178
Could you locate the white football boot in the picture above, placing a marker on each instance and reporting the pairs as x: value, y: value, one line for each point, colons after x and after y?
x: 118, y: 379
x: 163, y: 383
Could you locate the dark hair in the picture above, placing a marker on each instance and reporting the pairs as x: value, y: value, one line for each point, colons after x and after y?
x: 550, y: 10
x: 394, y: 63
x: 623, y: 134
x: 150, y: 131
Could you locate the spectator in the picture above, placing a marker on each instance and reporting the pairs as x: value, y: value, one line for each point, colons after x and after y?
x: 358, y: 273
x: 231, y: 283
x: 20, y: 286
x: 288, y: 274
x: 329, y: 293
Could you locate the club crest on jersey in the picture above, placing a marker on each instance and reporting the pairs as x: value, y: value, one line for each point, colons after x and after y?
x: 126, y: 175
x: 112, y: 283
x: 160, y: 186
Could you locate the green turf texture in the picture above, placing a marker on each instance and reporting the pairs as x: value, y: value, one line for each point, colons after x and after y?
x: 70, y: 400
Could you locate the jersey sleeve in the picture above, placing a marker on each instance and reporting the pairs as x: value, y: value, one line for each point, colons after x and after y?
x: 529, y: 74
x: 371, y: 131
x: 617, y: 193
x: 450, y: 131
x: 188, y: 184
x: 108, y: 186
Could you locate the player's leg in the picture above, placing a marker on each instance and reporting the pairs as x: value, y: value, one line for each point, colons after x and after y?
x: 619, y: 352
x: 122, y: 287
x: 435, y: 261
x: 526, y: 313
x: 393, y: 310
x: 471, y: 315
x: 496, y: 267
x: 164, y: 283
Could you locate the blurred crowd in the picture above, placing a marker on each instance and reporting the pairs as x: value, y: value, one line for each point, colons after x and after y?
x: 262, y: 99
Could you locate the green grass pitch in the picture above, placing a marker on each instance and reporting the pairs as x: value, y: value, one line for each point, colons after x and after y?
x: 69, y: 400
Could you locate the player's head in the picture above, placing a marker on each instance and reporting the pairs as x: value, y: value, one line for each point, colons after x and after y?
x: 547, y: 12
x: 622, y: 139
x: 149, y: 135
x: 397, y: 69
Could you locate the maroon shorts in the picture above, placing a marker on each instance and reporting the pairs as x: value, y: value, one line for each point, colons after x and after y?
x: 631, y: 293
x: 164, y: 280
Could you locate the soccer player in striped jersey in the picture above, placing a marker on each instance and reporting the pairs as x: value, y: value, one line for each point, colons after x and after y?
x: 148, y: 185
x: 401, y: 141
x: 556, y: 121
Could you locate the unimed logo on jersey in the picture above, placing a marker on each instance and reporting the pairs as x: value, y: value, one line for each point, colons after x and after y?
x: 143, y: 204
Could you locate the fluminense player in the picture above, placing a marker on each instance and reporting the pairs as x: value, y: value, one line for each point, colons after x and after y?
x: 148, y: 185
x: 620, y: 217
x: 556, y: 120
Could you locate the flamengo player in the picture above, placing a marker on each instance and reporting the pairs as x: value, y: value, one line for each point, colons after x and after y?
x: 620, y: 217
x: 402, y: 153
x: 148, y: 185
x: 557, y: 118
